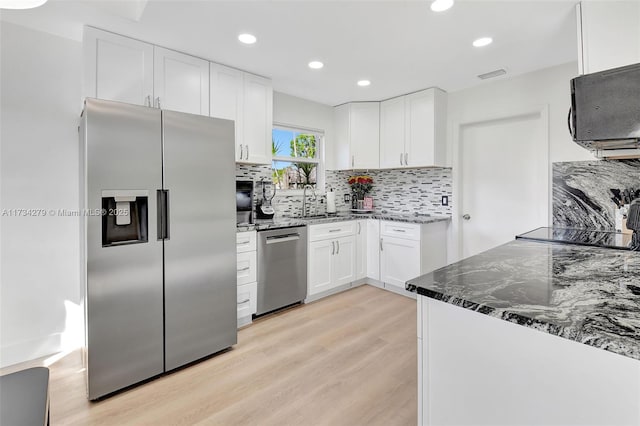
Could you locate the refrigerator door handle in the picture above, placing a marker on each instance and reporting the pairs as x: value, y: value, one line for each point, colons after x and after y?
x: 163, y: 214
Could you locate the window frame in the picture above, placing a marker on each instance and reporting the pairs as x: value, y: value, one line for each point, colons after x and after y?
x: 319, y: 160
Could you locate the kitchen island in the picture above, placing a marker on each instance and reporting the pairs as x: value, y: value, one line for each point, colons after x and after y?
x: 531, y: 333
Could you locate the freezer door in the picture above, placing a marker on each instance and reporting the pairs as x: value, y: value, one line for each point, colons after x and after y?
x: 122, y: 149
x: 200, y: 254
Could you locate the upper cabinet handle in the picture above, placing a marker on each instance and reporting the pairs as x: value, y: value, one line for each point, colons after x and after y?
x: 241, y: 151
x: 247, y: 146
x: 406, y: 159
x: 353, y: 160
x: 147, y: 101
x: 401, y: 159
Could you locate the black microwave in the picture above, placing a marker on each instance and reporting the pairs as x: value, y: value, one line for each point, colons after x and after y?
x: 244, y: 201
x: 605, y: 108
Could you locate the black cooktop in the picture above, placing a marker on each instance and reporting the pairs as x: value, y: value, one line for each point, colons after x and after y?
x: 587, y: 237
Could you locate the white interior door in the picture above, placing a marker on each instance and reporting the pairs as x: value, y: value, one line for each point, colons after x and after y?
x: 504, y: 180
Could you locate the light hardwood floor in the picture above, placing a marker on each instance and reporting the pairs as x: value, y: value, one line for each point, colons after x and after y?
x: 349, y: 359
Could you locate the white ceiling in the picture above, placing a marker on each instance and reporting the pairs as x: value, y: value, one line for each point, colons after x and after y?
x: 401, y: 46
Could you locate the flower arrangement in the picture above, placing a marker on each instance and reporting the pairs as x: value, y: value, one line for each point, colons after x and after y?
x: 360, y: 185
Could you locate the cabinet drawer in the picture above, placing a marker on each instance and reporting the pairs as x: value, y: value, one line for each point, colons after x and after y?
x: 409, y: 231
x: 245, y: 241
x: 246, y: 267
x: 332, y: 230
x: 247, y: 299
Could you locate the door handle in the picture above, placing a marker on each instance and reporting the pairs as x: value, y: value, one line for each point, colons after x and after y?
x: 163, y: 214
x: 333, y: 248
x: 338, y: 244
x: 244, y: 269
x: 381, y: 249
x: 466, y: 216
x: 282, y: 238
x: 359, y: 228
x: 244, y: 301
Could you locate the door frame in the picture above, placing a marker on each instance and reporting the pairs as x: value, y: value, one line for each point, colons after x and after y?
x: 458, y: 128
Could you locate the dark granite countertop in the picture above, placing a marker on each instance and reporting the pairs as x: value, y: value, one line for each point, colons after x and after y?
x: 587, y: 294
x: 287, y: 222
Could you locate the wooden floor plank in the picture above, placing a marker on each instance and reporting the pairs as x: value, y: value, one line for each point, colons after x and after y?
x: 349, y: 359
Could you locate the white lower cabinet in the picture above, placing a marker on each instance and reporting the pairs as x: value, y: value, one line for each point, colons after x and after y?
x: 373, y: 249
x: 247, y: 300
x: 409, y: 250
x: 331, y: 261
x: 361, y: 249
x: 246, y: 268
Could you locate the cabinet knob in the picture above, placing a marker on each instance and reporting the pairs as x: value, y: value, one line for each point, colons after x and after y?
x: 466, y: 216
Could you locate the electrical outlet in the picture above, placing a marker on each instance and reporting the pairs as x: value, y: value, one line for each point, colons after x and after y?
x: 445, y: 200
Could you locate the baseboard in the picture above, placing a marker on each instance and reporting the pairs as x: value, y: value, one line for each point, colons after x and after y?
x: 400, y: 291
x: 31, y: 349
x: 244, y: 321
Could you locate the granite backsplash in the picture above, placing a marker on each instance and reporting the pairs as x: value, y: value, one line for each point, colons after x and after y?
x: 581, y: 191
x: 402, y: 191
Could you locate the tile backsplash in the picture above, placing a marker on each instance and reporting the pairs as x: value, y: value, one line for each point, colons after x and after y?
x: 402, y: 191
x: 581, y: 191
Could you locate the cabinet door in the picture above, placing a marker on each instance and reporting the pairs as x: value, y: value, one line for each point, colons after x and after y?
x: 420, y: 129
x: 399, y: 260
x: 117, y: 68
x: 344, y: 261
x: 365, y: 135
x: 392, y: 137
x: 257, y: 119
x: 373, y: 249
x: 319, y: 263
x: 361, y: 249
x: 226, y: 99
x: 181, y: 82
x: 608, y: 35
x: 246, y: 267
x: 247, y: 299
x: 339, y: 149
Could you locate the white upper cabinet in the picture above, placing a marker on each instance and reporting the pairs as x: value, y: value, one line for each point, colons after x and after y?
x: 248, y: 100
x: 257, y: 122
x: 181, y: 82
x: 117, y: 68
x: 392, y: 127
x: 413, y: 130
x: 357, y: 136
x: 226, y: 99
x: 608, y: 34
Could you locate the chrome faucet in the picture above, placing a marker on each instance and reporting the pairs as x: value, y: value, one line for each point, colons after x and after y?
x: 304, y: 199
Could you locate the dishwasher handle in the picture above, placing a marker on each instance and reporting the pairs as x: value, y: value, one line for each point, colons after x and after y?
x: 274, y: 239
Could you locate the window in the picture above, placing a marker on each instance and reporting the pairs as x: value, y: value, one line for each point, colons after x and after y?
x: 296, y: 157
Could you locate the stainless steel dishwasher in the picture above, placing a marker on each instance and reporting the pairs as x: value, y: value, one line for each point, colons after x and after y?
x: 282, y: 268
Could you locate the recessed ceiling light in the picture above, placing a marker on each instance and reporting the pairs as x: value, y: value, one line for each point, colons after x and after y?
x: 21, y: 4
x: 363, y: 83
x: 316, y: 65
x: 483, y: 41
x: 247, y: 38
x: 441, y: 5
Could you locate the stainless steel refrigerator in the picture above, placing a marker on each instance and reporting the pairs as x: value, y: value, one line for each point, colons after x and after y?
x: 158, y: 188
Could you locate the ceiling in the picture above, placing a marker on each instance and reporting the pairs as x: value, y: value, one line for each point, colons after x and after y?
x: 401, y: 46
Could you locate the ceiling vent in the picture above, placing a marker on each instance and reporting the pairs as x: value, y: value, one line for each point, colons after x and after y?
x: 492, y: 74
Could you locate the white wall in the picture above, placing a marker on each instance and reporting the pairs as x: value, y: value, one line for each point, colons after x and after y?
x: 505, y: 97
x: 39, y: 280
x: 549, y: 86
